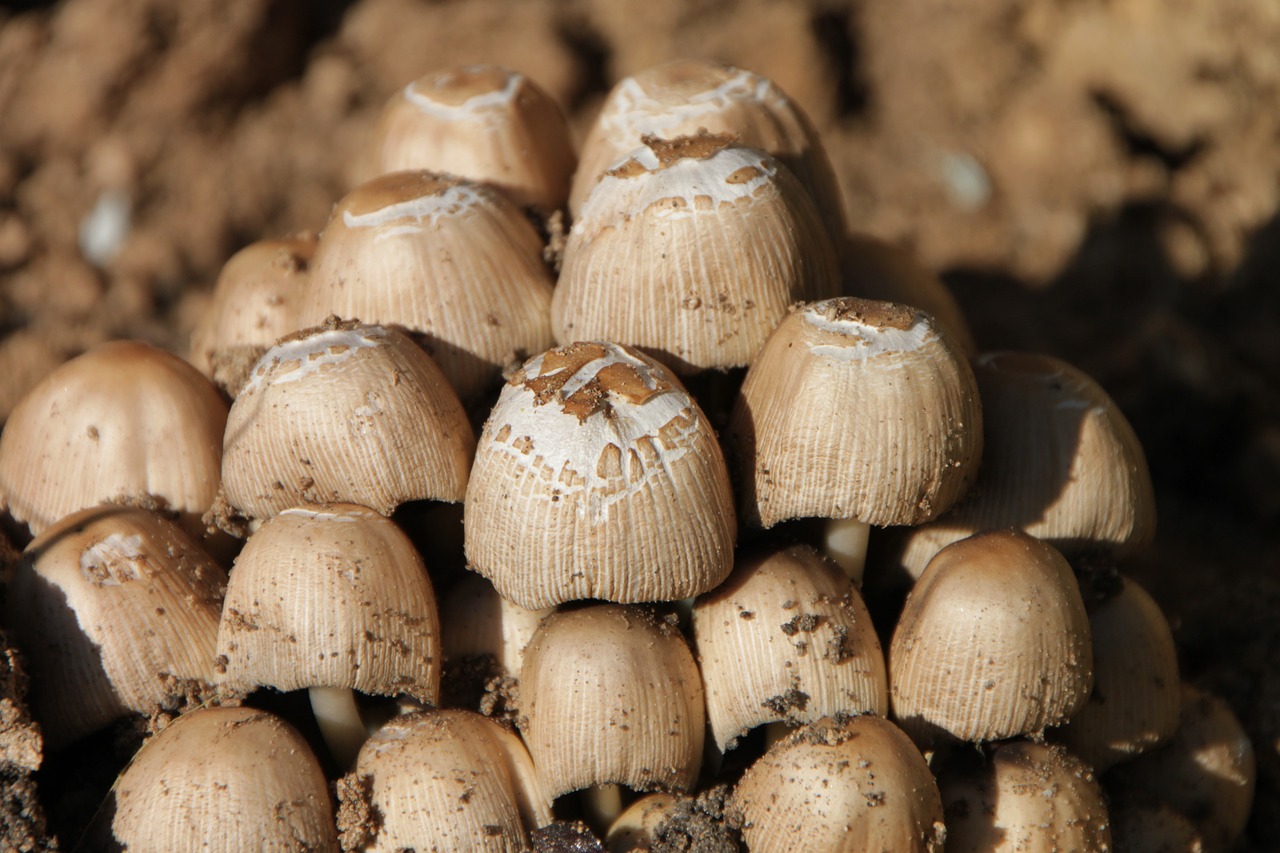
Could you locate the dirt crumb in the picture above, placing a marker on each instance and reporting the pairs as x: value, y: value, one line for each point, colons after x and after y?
x: 707, y: 823
x: 565, y: 837
x: 358, y: 819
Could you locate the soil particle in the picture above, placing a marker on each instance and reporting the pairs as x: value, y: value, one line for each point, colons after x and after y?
x: 706, y: 824
x: 358, y: 820
x: 565, y: 837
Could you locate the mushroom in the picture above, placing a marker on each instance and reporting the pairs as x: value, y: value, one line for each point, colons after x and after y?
x: 331, y: 599
x: 254, y: 303
x: 344, y: 412
x: 1061, y: 462
x: 224, y: 779
x: 117, y: 611
x: 993, y: 642
x: 786, y: 637
x: 635, y: 828
x: 453, y: 261
x: 1025, y: 798
x: 845, y: 784
x: 597, y: 476
x: 687, y: 96
x: 480, y: 623
x: 611, y: 694
x: 443, y: 780
x: 861, y: 412
x: 124, y: 420
x: 691, y: 249
x: 482, y: 123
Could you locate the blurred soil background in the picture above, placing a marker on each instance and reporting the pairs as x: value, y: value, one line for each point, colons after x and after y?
x: 1096, y: 179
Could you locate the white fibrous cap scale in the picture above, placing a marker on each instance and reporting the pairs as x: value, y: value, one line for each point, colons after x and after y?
x: 865, y: 337
x: 493, y: 102
x: 636, y: 110
x: 311, y: 353
x: 408, y: 216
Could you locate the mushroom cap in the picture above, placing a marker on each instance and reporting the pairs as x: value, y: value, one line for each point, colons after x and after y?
x: 254, y: 303
x: 117, y: 611
x: 993, y: 642
x: 855, y: 409
x: 692, y: 249
x: 451, y: 260
x: 597, y: 476
x: 477, y: 621
x: 224, y: 779
x: 332, y: 596
x: 611, y: 694
x: 1026, y: 798
x: 786, y: 636
x: 123, y: 420
x: 847, y: 784
x: 687, y: 96
x: 450, y: 780
x: 345, y: 412
x: 483, y: 123
x: 1061, y: 463
x: 635, y: 828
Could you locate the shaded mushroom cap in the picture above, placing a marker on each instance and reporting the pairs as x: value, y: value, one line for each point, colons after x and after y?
x: 635, y: 828
x: 224, y: 779
x: 1136, y: 696
x: 692, y: 249
x: 686, y: 96
x: 855, y: 409
x: 254, y: 303
x: 332, y: 596
x: 477, y: 621
x: 345, y: 412
x: 597, y: 476
x: 117, y: 611
x: 786, y: 637
x: 123, y: 420
x: 849, y: 784
x: 611, y: 694
x: 1028, y: 798
x: 451, y: 260
x: 448, y: 780
x: 1061, y: 462
x: 482, y: 123
x: 993, y: 642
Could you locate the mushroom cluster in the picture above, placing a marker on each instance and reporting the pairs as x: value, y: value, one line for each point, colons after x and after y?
x: 673, y: 431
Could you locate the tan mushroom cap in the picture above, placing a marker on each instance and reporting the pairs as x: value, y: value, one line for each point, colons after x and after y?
x: 855, y: 409
x: 786, y: 637
x: 636, y: 827
x: 1026, y: 798
x: 1061, y: 462
x: 849, y: 784
x: 224, y: 779
x: 123, y: 420
x: 332, y: 596
x: 448, y: 259
x: 477, y: 621
x: 254, y: 303
x: 692, y: 249
x: 597, y: 476
x: 611, y: 694
x: 345, y: 412
x: 117, y: 612
x: 993, y: 642
x: 483, y: 123
x: 447, y: 780
x: 686, y: 96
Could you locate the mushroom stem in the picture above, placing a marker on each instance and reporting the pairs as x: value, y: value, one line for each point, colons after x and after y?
x: 338, y: 716
x: 845, y: 541
x: 601, y: 804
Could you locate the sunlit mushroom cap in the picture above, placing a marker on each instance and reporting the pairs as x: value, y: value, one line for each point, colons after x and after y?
x: 117, y: 611
x: 849, y: 785
x: 225, y: 780
x: 993, y: 642
x: 786, y: 637
x: 345, y: 412
x: 448, y: 780
x: 686, y: 96
x: 597, y: 476
x: 123, y: 420
x: 332, y: 596
x: 254, y: 303
x: 483, y: 123
x: 855, y: 409
x: 692, y: 249
x: 451, y: 260
x: 611, y: 694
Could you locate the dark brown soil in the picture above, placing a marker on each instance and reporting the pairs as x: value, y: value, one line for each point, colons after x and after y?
x: 1096, y: 180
